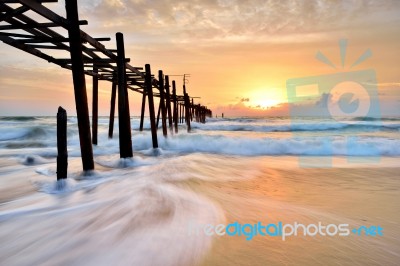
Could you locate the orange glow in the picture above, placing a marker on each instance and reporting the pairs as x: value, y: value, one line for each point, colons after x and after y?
x: 264, y: 98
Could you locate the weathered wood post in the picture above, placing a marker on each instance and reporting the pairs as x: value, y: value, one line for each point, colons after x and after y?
x: 112, y: 106
x: 183, y: 104
x: 149, y: 91
x: 180, y: 113
x: 175, y: 106
x: 162, y: 103
x: 168, y: 101
x: 187, y: 111
x: 143, y: 109
x: 95, y: 102
x: 158, y: 114
x: 78, y: 76
x: 125, y: 137
x: 192, y: 110
x: 62, y: 153
x: 197, y: 112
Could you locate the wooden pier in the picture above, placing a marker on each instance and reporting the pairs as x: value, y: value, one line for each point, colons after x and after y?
x: 86, y: 55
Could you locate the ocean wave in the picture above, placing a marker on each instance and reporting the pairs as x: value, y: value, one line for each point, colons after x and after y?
x: 297, y: 127
x: 18, y: 118
x: 34, y: 160
x: 24, y: 144
x: 32, y: 133
x: 316, y: 146
x: 367, y: 118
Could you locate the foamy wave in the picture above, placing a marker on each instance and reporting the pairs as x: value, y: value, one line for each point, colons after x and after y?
x: 114, y: 162
x: 288, y: 127
x: 58, y: 186
x: 220, y: 144
x: 34, y: 160
x: 137, y: 220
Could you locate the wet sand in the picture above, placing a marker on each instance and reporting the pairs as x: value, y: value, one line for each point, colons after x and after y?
x: 138, y: 211
x: 357, y: 196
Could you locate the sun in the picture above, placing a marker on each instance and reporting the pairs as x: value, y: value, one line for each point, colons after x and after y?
x: 264, y: 98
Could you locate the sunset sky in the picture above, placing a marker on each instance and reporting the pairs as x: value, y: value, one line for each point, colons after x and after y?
x: 239, y: 53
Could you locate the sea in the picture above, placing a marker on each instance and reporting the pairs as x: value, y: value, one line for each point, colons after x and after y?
x: 139, y: 210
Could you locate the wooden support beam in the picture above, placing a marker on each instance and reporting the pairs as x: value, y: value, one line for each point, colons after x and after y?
x: 96, y: 50
x: 187, y: 112
x: 142, y: 110
x: 175, y: 105
x: 149, y: 89
x: 158, y: 114
x: 180, y: 113
x: 50, y: 15
x: 191, y: 110
x: 49, y: 47
x: 95, y: 106
x: 35, y: 25
x: 62, y: 152
x: 125, y: 137
x: 28, y: 49
x: 42, y: 33
x: 112, y: 107
x: 162, y: 103
x: 78, y: 75
x: 168, y: 101
x: 13, y: 13
x: 45, y: 32
x: 90, y: 60
x: 18, y: 35
x: 198, y: 113
x: 45, y: 12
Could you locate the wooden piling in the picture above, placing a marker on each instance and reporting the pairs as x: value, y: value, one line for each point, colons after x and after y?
x: 95, y: 100
x: 125, y: 137
x: 142, y: 110
x: 112, y: 106
x: 175, y: 105
x: 162, y: 103
x: 168, y: 101
x: 192, y: 110
x: 187, y: 111
x: 158, y: 114
x: 78, y: 75
x: 36, y: 37
x: 149, y: 91
x: 198, y: 113
x: 62, y: 153
x: 180, y: 113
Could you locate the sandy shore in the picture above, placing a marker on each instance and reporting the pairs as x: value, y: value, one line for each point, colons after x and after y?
x: 140, y: 212
x: 357, y: 196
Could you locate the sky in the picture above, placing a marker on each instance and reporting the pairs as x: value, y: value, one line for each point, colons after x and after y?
x: 240, y: 55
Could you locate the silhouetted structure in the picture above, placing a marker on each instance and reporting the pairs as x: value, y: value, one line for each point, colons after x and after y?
x: 83, y: 58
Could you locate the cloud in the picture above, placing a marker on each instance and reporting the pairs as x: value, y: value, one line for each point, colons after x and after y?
x: 236, y: 20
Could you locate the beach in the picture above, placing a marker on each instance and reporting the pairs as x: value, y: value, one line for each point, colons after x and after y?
x: 146, y: 210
